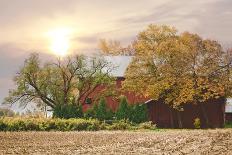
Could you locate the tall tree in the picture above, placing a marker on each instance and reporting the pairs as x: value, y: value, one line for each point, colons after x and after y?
x: 67, y: 81
x: 178, y: 69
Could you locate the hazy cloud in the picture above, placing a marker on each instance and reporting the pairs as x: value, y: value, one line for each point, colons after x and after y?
x: 24, y: 22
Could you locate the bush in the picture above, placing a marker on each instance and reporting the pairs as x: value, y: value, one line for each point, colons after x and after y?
x: 121, y: 125
x: 68, y: 111
x: 197, y: 123
x: 3, y: 125
x: 228, y: 125
x: 147, y: 125
x: 57, y: 124
x: 138, y: 113
x: 100, y: 111
x: 23, y: 124
x: 90, y: 113
x: 123, y: 111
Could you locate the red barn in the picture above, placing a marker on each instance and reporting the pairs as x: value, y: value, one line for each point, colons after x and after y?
x: 113, y: 102
x: 160, y: 113
x: 167, y: 117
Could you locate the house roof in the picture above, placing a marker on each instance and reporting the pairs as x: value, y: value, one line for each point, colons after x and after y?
x: 228, y: 108
x: 120, y: 62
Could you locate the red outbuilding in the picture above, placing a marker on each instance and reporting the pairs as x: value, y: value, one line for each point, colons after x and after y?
x: 160, y: 113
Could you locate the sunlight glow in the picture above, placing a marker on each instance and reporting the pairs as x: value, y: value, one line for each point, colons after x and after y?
x: 60, y: 41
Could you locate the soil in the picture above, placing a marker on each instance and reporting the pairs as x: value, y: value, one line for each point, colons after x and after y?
x: 218, y: 141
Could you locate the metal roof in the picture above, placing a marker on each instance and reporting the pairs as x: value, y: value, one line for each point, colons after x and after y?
x: 228, y: 108
x: 120, y: 62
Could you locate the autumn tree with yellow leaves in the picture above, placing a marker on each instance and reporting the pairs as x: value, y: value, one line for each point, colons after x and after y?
x: 178, y: 68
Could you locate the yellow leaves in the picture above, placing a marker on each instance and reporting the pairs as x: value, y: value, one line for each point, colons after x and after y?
x: 110, y: 47
x: 149, y: 39
x: 113, y: 47
x: 178, y: 68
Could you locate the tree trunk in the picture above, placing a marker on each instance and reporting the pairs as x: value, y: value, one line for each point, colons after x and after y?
x: 179, y: 120
x: 204, y: 115
x: 171, y: 118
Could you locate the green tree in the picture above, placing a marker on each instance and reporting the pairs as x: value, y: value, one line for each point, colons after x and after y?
x: 68, y: 111
x: 101, y: 111
x: 123, y: 111
x: 69, y: 81
x: 139, y: 113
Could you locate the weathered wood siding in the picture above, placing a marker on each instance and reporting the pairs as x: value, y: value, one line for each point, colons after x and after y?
x: 166, y: 117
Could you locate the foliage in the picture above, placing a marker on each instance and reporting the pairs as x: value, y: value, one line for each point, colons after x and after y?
x: 6, y: 113
x: 178, y: 68
x: 123, y: 111
x: 63, y: 82
x: 19, y: 124
x: 113, y: 47
x: 68, y: 111
x: 138, y: 113
x: 100, y: 111
x: 91, y: 112
x: 121, y: 125
x: 197, y: 123
x: 147, y: 125
x: 42, y: 124
x: 228, y: 125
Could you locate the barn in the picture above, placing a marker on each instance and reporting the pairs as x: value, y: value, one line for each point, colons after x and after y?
x: 166, y: 117
x: 228, y: 111
x: 159, y: 112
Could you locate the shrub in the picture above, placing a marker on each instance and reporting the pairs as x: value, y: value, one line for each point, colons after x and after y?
x: 147, y: 125
x: 121, y: 125
x: 138, y: 113
x: 197, y: 123
x: 228, y: 125
x: 3, y: 125
x: 57, y: 124
x: 90, y: 113
x: 68, y: 111
x: 100, y: 111
x: 123, y: 111
x: 82, y: 124
x: 110, y: 114
x: 19, y: 124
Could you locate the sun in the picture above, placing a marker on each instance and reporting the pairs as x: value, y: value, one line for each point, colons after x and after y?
x: 60, y: 41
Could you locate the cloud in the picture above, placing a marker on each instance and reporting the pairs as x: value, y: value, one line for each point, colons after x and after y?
x: 15, y: 11
x: 24, y: 22
x: 216, y: 21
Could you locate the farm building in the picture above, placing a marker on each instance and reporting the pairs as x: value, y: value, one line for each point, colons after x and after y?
x: 166, y: 117
x: 121, y: 63
x: 228, y: 110
x: 159, y: 112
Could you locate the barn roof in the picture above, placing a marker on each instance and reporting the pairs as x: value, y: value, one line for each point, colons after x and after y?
x: 228, y: 108
x: 120, y: 62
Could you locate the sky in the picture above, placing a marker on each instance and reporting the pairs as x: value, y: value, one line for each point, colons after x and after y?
x: 28, y: 26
